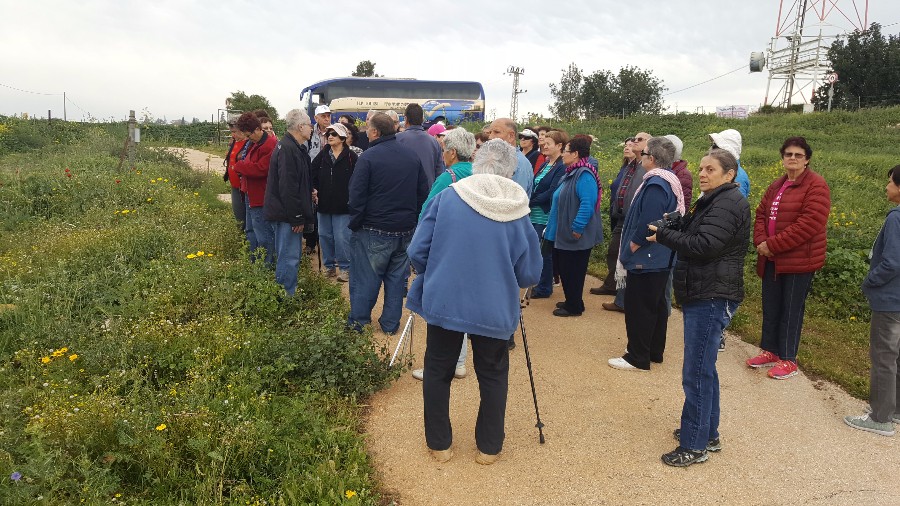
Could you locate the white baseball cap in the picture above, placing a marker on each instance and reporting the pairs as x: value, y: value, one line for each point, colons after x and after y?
x: 322, y: 109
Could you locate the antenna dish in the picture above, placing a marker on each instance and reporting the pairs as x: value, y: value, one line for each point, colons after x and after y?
x: 757, y: 61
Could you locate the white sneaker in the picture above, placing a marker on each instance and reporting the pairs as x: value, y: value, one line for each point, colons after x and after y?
x: 621, y: 363
x: 418, y: 374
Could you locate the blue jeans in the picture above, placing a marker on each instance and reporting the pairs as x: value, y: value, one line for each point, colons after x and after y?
x: 377, y: 258
x: 334, y: 239
x: 704, y: 321
x: 545, y: 285
x: 287, y: 251
x: 248, y: 224
x: 263, y: 231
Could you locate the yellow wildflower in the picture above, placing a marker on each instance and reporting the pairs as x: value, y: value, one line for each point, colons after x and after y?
x: 125, y: 211
x: 152, y: 181
x: 350, y: 494
x: 57, y: 353
x: 150, y: 199
x: 852, y: 318
x: 200, y: 253
x: 161, y: 426
x: 45, y: 360
x: 64, y: 349
x: 191, y: 255
x: 73, y: 357
x: 196, y: 194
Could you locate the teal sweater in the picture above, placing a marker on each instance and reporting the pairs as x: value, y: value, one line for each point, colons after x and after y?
x: 461, y: 169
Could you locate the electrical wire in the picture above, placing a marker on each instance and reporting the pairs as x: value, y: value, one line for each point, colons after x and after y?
x: 704, y: 82
x: 32, y: 92
x: 69, y: 100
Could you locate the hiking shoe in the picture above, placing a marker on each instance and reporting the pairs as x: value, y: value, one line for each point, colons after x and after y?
x: 459, y: 373
x: 713, y: 445
x: 764, y: 359
x: 563, y: 312
x: 895, y: 418
x: 612, y: 306
x: 486, y: 459
x: 783, y: 370
x: 441, y: 455
x: 722, y: 344
x: 682, y: 457
x: 343, y: 277
x: 622, y: 364
x: 864, y: 422
x: 600, y: 290
x: 561, y: 305
x: 330, y: 273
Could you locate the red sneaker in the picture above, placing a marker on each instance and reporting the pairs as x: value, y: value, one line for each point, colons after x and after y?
x: 783, y: 370
x: 764, y: 359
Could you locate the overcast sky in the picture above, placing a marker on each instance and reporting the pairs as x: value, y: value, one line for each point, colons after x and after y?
x: 184, y: 57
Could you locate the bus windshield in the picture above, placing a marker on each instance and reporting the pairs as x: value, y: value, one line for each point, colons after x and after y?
x: 448, y: 101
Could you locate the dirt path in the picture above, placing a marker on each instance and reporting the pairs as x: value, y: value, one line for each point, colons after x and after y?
x: 784, y: 442
x: 203, y: 162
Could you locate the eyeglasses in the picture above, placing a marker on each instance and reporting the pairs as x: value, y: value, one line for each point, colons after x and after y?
x: 795, y: 155
x: 644, y: 153
x: 567, y: 151
x: 525, y: 137
x: 331, y: 133
x: 630, y: 139
x: 638, y: 139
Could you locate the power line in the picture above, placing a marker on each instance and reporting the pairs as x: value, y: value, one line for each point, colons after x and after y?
x: 69, y: 100
x: 704, y: 82
x: 32, y: 92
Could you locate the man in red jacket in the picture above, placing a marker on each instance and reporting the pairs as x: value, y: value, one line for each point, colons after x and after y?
x: 254, y: 169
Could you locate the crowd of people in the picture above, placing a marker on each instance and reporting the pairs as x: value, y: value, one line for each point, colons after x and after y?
x: 401, y: 199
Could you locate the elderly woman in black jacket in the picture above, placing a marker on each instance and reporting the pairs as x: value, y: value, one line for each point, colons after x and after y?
x: 711, y: 242
x: 331, y: 171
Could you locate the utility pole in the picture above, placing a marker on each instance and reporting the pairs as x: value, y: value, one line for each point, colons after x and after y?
x: 132, y: 123
x: 514, y: 102
x: 64, y: 106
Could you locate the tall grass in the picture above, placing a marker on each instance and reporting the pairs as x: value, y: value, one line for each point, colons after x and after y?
x: 145, y: 360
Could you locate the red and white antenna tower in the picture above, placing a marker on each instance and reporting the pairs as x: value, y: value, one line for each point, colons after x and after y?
x: 798, y: 53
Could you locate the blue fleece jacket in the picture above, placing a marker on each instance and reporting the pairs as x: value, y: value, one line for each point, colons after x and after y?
x: 524, y: 174
x: 882, y: 284
x: 458, y: 291
x: 654, y: 200
x: 586, y: 189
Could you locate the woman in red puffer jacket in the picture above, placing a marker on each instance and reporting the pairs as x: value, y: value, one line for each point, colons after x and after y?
x: 789, y: 234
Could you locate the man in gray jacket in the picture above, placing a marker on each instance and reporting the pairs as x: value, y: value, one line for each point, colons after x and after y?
x: 425, y: 146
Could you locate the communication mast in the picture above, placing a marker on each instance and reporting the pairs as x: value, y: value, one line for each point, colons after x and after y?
x: 514, y: 102
x: 797, y: 56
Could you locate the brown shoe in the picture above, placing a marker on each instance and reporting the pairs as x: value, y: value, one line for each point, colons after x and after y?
x: 485, y: 459
x: 442, y: 455
x: 612, y: 306
x: 603, y: 291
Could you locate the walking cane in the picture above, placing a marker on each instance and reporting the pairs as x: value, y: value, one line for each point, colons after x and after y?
x: 522, y: 304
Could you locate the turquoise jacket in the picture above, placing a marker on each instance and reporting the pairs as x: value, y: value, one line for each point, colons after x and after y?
x: 458, y: 169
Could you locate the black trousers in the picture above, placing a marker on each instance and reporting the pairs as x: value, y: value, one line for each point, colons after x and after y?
x: 646, y: 317
x: 572, y: 270
x: 491, y: 359
x: 612, y: 256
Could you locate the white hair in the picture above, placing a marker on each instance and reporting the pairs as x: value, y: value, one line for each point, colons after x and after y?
x: 495, y: 156
x: 393, y: 115
x: 462, y: 141
x: 296, y: 118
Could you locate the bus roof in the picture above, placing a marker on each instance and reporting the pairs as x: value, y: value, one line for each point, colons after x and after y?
x: 380, y: 79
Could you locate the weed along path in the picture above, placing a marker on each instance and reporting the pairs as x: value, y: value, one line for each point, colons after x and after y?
x: 203, y: 162
x: 784, y: 442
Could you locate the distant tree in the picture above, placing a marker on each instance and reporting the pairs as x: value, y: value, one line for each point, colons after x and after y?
x: 630, y: 91
x: 242, y: 102
x: 868, y: 68
x: 566, y: 105
x: 365, y: 68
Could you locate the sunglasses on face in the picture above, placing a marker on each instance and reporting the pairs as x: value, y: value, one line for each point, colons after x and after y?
x: 795, y: 155
x: 331, y: 133
x: 630, y: 139
x: 525, y: 138
x: 644, y: 153
x: 638, y: 139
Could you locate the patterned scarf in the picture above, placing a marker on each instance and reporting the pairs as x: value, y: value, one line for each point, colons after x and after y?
x: 593, y: 170
x: 626, y: 182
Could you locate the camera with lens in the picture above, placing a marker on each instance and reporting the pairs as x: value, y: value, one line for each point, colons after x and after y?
x: 670, y: 220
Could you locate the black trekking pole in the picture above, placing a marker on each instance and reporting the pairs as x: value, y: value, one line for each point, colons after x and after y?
x: 523, y: 303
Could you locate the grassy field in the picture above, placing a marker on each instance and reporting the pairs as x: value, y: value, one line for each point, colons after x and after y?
x: 144, y: 359
x: 853, y: 151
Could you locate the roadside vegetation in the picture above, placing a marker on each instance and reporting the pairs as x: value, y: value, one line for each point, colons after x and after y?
x: 144, y: 359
